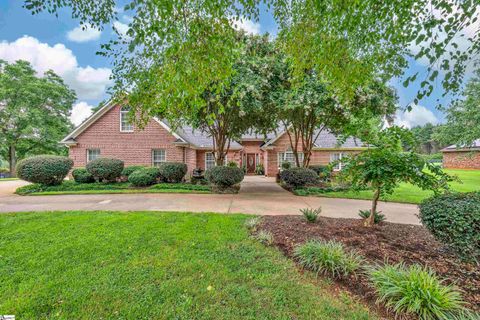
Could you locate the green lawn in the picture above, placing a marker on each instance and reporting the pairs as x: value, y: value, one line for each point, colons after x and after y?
x: 71, y: 187
x: 407, y: 193
x: 147, y: 265
x: 8, y: 179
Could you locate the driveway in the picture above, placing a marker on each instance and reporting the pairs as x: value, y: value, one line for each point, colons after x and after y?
x: 258, y: 195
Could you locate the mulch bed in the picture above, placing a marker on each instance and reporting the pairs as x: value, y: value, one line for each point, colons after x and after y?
x: 385, y: 242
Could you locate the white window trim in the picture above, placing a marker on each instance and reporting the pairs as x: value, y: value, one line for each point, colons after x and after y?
x: 153, y: 158
x: 340, y: 164
x: 88, y: 150
x: 225, y: 161
x: 280, y: 158
x: 122, y: 113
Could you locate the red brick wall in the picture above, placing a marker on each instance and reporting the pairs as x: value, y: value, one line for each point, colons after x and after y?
x: 231, y: 156
x: 134, y: 148
x: 461, y: 160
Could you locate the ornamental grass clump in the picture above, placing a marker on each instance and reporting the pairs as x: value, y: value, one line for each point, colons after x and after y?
x: 416, y: 290
x: 264, y: 237
x: 328, y: 258
x: 252, y: 223
x: 377, y: 217
x: 311, y: 214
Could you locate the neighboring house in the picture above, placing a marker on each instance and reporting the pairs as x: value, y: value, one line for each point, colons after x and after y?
x: 458, y: 157
x: 108, y: 133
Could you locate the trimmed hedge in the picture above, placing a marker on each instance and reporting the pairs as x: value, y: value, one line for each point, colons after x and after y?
x: 130, y: 169
x: 454, y: 219
x: 224, y: 176
x: 144, y: 177
x: 105, y: 169
x: 81, y: 175
x: 299, y: 177
x: 173, y: 172
x: 46, y: 169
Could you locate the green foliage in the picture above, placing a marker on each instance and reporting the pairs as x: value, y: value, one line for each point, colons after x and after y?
x: 105, y: 169
x: 416, y: 291
x: 130, y: 169
x: 311, y: 214
x: 259, y: 169
x: 224, y: 176
x: 427, y: 141
x: 433, y: 158
x: 180, y: 186
x: 377, y: 217
x: 173, y: 172
x: 144, y: 177
x: 286, y: 165
x: 81, y: 175
x: 28, y: 125
x: 4, y: 170
x: 454, y: 219
x: 265, y: 237
x: 329, y: 258
x: 299, y: 177
x: 232, y: 164
x: 47, y: 169
x: 252, y: 223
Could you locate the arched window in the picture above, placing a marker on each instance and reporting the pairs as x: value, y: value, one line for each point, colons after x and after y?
x: 125, y: 124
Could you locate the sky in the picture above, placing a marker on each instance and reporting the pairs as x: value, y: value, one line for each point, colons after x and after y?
x: 60, y: 44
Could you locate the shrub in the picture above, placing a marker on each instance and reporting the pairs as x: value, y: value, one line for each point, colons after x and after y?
x: 252, y: 223
x: 4, y: 170
x: 454, y: 219
x: 311, y: 214
x: 81, y: 175
x: 173, y: 172
x: 224, y: 176
x: 299, y: 177
x: 324, y: 172
x: 232, y: 164
x: 105, y: 169
x: 130, y: 169
x: 47, y: 170
x: 144, y: 177
x: 377, y: 217
x: 415, y: 290
x: 329, y: 258
x: 259, y: 169
x: 264, y: 237
x: 286, y: 165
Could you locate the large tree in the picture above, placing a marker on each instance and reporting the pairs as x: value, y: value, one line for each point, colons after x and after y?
x: 182, y: 47
x: 463, y: 117
x: 309, y: 108
x: 34, y: 111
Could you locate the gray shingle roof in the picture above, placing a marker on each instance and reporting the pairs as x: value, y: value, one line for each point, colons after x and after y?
x: 327, y: 139
x: 475, y: 146
x: 200, y: 139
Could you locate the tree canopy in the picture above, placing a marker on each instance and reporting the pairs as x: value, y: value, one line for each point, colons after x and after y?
x: 34, y: 111
x: 182, y: 47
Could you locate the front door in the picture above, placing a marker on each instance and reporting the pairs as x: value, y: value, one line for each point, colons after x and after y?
x: 251, y: 163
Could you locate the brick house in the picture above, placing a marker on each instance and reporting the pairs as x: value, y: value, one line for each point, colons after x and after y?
x: 455, y: 157
x: 108, y: 133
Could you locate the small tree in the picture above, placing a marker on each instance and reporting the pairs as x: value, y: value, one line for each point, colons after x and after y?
x: 384, y: 165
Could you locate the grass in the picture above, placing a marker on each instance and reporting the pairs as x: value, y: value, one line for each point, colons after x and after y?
x: 405, y: 193
x: 8, y: 179
x: 147, y: 265
x: 71, y: 187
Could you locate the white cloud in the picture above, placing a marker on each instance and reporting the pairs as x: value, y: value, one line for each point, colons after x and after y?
x: 418, y: 116
x: 80, y: 112
x: 88, y: 82
x: 84, y: 34
x: 247, y: 25
x: 121, y: 28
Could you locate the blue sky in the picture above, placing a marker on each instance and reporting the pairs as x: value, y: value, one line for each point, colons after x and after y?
x: 57, y: 43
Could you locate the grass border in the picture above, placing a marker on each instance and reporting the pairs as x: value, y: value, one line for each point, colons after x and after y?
x: 120, y: 191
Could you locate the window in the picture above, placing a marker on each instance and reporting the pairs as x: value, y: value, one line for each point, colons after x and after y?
x: 210, y: 160
x: 93, y: 154
x: 158, y: 156
x: 288, y: 157
x: 125, y: 124
x: 336, y: 157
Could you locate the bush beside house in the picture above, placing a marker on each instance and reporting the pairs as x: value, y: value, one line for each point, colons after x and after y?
x: 81, y: 175
x: 105, y: 169
x: 225, y: 179
x: 46, y: 169
x: 299, y: 177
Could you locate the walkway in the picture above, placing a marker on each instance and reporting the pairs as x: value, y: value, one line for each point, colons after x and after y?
x: 258, y: 195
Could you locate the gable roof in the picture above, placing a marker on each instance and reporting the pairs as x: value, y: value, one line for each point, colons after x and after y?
x: 455, y: 147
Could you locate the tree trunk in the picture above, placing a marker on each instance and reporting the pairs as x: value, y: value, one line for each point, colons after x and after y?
x: 370, y: 221
x: 12, y: 160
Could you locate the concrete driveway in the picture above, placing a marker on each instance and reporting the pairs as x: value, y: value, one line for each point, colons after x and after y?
x: 258, y: 195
